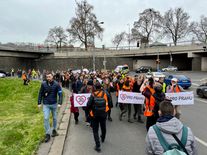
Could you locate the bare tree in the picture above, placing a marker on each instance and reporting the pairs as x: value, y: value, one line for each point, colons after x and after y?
x: 56, y: 36
x: 118, y: 38
x: 176, y: 25
x: 149, y: 22
x: 84, y: 27
x: 200, y: 29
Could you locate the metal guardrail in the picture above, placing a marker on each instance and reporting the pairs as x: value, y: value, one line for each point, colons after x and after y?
x: 29, y: 47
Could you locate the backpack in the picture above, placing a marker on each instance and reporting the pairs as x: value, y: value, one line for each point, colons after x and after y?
x: 99, y: 107
x: 173, y: 149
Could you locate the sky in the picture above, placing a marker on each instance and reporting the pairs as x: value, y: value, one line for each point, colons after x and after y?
x: 30, y: 20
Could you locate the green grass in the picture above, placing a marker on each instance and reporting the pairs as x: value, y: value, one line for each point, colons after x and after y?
x: 21, y: 123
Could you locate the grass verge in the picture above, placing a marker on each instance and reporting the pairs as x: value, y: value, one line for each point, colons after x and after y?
x: 21, y: 123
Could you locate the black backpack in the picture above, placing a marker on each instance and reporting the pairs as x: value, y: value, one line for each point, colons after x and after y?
x: 99, y: 107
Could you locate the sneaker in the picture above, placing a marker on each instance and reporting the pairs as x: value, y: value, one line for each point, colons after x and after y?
x: 140, y: 121
x: 110, y: 119
x: 130, y: 121
x: 47, y: 138
x: 135, y: 117
x: 98, y: 149
x: 87, y: 124
x: 120, y: 117
x: 102, y: 139
x: 54, y: 133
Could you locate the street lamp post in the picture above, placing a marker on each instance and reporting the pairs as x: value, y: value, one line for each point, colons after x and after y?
x: 171, y: 59
x: 129, y: 39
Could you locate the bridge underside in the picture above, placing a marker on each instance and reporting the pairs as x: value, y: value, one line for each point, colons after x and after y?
x: 195, y: 62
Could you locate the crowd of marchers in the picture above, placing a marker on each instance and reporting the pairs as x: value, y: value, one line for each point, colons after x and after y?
x: 166, y: 133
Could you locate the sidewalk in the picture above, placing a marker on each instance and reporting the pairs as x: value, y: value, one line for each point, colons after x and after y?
x: 55, y: 145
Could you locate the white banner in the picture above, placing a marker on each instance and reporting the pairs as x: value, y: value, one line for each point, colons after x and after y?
x: 182, y: 98
x: 130, y: 97
x: 80, y: 100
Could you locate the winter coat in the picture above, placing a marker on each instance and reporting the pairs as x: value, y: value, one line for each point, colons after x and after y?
x: 48, y: 93
x: 72, y: 108
x: 173, y: 126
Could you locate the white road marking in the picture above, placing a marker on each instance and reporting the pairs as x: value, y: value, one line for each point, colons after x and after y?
x: 205, y: 101
x: 195, y: 84
x: 201, y: 141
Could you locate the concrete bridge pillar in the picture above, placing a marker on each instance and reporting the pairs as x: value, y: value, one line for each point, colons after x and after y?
x: 196, y: 64
x: 204, y: 64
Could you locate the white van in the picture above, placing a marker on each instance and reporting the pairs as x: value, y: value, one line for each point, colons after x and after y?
x: 122, y: 69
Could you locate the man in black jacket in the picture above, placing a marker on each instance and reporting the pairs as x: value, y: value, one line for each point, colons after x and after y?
x: 48, y: 93
x: 98, y: 107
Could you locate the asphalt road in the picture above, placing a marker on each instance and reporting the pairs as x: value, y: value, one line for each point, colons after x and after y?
x: 124, y: 138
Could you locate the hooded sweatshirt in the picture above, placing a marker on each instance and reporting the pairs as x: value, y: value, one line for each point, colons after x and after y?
x: 173, y: 126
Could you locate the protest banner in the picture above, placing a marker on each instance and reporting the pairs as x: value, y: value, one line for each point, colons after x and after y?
x: 80, y: 100
x: 130, y: 97
x: 181, y: 98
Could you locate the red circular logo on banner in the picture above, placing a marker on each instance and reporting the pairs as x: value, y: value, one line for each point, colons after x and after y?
x: 123, y: 96
x: 80, y: 99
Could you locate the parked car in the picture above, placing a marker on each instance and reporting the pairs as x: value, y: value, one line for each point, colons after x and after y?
x: 170, y: 68
x: 122, y: 69
x: 155, y: 75
x: 183, y: 80
x: 201, y: 91
x: 6, y: 73
x: 2, y: 75
x: 144, y: 69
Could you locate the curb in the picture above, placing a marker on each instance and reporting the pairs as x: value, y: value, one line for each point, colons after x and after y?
x: 56, y: 144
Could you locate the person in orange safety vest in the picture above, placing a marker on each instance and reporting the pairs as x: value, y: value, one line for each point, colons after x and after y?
x: 98, y: 107
x: 175, y: 88
x: 148, y: 91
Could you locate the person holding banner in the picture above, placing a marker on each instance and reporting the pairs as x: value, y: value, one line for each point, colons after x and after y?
x: 118, y: 88
x: 148, y: 91
x: 98, y: 107
x: 87, y: 88
x: 127, y: 107
x: 136, y: 88
x: 175, y: 88
x: 74, y: 109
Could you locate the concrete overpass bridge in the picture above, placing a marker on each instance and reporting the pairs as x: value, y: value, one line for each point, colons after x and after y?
x: 186, y: 57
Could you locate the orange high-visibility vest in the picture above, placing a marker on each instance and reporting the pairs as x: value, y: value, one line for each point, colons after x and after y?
x: 24, y: 76
x: 97, y: 94
x: 177, y: 89
x: 126, y: 88
x: 150, y: 103
x: 117, y: 89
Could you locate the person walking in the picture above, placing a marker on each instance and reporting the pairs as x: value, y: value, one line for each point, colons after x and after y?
x: 169, y: 134
x: 148, y: 91
x: 175, y: 88
x: 48, y: 93
x: 108, y: 87
x: 98, y: 107
x: 137, y: 107
x: 127, y: 106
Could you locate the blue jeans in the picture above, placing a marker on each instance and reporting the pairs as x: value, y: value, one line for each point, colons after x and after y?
x: 46, y: 110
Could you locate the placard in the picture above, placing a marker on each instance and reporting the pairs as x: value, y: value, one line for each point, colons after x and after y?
x: 80, y: 100
x: 130, y: 97
x: 181, y: 98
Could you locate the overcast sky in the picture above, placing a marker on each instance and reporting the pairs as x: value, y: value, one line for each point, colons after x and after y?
x: 30, y: 20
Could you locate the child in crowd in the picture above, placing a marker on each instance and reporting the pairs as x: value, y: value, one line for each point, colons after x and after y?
x: 74, y: 109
